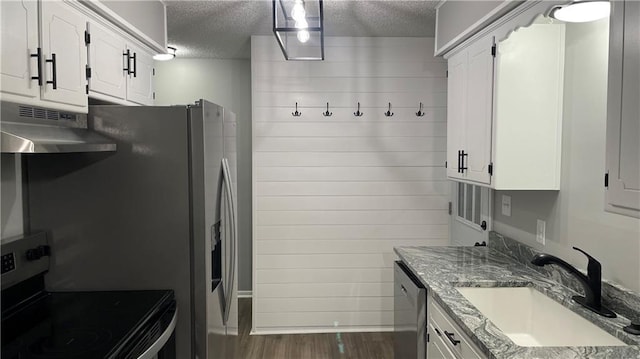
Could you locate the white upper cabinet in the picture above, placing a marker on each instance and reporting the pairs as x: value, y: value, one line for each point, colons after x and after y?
x: 121, y: 71
x: 469, y: 112
x: 65, y: 54
x: 140, y: 82
x: 19, y: 42
x: 107, y: 61
x: 505, y: 108
x: 57, y: 54
x: 623, y: 107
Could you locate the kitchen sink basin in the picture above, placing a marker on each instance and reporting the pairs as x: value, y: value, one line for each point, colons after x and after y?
x: 531, y: 319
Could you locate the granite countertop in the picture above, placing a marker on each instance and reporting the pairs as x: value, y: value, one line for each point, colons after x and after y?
x: 442, y: 269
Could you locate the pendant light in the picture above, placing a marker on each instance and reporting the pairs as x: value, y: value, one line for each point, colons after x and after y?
x: 298, y: 27
x: 582, y: 11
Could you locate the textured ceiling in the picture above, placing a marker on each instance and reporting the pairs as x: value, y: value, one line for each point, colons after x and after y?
x: 223, y: 28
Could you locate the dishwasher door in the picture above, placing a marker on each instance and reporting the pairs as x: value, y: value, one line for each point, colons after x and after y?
x: 410, y: 315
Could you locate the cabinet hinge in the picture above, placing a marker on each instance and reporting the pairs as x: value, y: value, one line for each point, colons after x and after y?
x: 154, y: 95
x: 450, y: 208
x: 88, y: 72
x: 445, y: 164
x: 427, y: 337
x: 87, y: 37
x: 493, y: 50
x: 154, y: 72
x: 491, y: 169
x: 447, y: 74
x: 87, y: 89
x: 606, y: 180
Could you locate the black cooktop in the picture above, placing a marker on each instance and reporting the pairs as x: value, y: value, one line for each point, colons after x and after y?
x: 79, y: 324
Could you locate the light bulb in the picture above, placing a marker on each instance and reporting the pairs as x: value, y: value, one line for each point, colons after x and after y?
x: 297, y: 12
x: 303, y: 36
x: 583, y: 11
x: 301, y: 24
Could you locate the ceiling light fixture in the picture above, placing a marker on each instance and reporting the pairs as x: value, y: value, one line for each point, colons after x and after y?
x: 582, y: 11
x: 298, y: 27
x: 169, y: 55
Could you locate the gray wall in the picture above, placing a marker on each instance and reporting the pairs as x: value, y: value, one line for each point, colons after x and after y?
x: 575, y: 215
x: 11, y: 197
x: 227, y: 83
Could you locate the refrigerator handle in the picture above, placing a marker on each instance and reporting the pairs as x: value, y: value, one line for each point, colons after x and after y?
x: 233, y: 240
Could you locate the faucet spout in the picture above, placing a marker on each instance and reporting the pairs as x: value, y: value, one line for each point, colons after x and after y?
x: 591, y: 283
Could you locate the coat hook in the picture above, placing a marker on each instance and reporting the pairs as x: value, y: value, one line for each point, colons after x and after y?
x: 297, y: 113
x: 420, y: 113
x: 358, y: 113
x: 327, y: 113
x: 389, y: 113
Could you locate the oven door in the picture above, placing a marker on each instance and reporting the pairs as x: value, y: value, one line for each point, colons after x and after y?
x: 157, y: 339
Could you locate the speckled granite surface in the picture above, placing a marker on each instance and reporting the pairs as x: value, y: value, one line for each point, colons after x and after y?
x: 442, y: 269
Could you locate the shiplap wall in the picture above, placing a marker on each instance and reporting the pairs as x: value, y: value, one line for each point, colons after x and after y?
x: 333, y: 195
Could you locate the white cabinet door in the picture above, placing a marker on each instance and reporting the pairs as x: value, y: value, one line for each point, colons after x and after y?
x: 107, y: 62
x: 623, y: 122
x: 19, y: 28
x: 62, y: 37
x: 479, y: 107
x: 140, y: 81
x: 469, y: 112
x: 456, y: 111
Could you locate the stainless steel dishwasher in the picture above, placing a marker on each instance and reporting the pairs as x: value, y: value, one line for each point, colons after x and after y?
x: 410, y: 314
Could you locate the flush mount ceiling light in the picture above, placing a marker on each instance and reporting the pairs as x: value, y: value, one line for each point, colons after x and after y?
x: 582, y: 11
x: 169, y: 55
x: 298, y: 26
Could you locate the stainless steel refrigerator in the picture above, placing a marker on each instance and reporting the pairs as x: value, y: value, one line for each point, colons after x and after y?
x: 158, y: 213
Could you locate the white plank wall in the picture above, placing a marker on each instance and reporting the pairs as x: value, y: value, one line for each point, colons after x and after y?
x: 333, y: 195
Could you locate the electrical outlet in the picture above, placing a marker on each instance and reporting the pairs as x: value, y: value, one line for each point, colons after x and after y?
x: 506, y: 205
x: 540, y: 229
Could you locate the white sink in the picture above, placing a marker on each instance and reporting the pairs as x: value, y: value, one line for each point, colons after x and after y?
x: 531, y: 319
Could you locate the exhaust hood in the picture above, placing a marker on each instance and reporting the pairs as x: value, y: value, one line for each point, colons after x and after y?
x: 27, y: 129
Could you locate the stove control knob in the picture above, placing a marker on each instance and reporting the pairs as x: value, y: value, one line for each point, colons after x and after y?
x: 38, y: 252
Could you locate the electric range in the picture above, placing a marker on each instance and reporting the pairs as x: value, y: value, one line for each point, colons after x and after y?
x: 97, y: 324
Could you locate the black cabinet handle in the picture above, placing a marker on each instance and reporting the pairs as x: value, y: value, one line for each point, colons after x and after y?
x: 54, y: 77
x: 135, y: 65
x: 438, y: 332
x: 462, y: 166
x: 38, y: 55
x: 459, y: 156
x: 128, y: 55
x: 483, y: 225
x: 450, y: 336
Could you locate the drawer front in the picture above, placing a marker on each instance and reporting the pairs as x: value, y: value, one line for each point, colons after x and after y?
x: 451, y: 335
x: 437, y: 348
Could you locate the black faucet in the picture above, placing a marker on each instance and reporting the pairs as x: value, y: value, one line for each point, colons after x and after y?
x: 591, y: 283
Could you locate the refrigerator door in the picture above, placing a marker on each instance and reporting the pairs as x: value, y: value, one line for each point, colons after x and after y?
x: 230, y: 153
x: 206, y: 151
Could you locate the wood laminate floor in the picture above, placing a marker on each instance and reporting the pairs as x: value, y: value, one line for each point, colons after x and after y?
x: 309, y: 346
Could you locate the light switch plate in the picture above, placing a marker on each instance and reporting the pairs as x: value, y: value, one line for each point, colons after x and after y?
x: 506, y: 205
x: 540, y: 231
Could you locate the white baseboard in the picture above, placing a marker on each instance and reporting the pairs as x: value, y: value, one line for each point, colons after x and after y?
x: 272, y: 331
x: 245, y: 294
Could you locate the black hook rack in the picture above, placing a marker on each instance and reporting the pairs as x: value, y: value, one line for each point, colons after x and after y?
x: 358, y: 113
x: 389, y: 113
x: 297, y: 113
x: 420, y: 113
x: 327, y: 113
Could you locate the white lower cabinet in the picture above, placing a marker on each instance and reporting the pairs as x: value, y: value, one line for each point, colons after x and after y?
x: 446, y: 339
